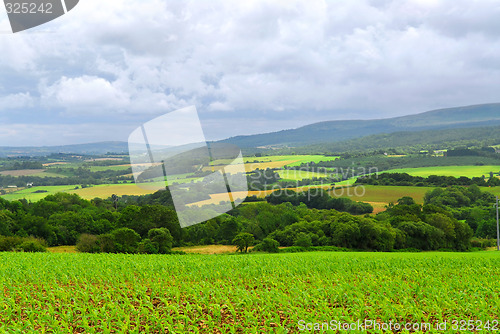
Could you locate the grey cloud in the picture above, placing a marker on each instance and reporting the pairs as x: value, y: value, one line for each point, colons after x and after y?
x: 299, y: 61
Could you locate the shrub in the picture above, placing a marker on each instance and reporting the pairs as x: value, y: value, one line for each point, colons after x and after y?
x: 88, y: 243
x: 106, y: 243
x: 25, y: 244
x: 303, y: 240
x: 8, y: 243
x: 267, y: 245
x: 482, y: 243
x: 125, y: 240
x: 147, y: 247
x: 296, y: 249
x: 33, y: 246
x: 162, y: 239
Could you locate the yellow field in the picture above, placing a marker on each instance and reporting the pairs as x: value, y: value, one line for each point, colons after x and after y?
x: 62, y: 249
x: 54, y: 164
x: 377, y: 196
x: 251, y: 166
x: 105, y: 191
x: 216, y: 198
x: 296, y: 175
x: 378, y: 206
x: 209, y: 249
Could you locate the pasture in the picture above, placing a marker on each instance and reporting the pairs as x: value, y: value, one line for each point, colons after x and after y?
x: 106, y: 190
x: 275, y: 161
x: 384, y: 194
x: 378, y: 196
x: 456, y: 171
x: 30, y: 172
x: 105, y: 168
x: 297, y: 175
x: 253, y: 293
x: 103, y: 191
x: 36, y: 193
x: 21, y: 172
x: 298, y: 159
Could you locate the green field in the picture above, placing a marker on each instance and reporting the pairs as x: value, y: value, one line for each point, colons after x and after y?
x: 296, y: 175
x: 385, y: 194
x: 456, y: 171
x: 255, y: 293
x: 300, y: 158
x: 30, y: 195
x: 102, y: 191
x: 49, y: 174
x: 107, y: 190
x: 66, y: 165
x: 494, y: 190
x: 105, y: 168
x: 388, y: 194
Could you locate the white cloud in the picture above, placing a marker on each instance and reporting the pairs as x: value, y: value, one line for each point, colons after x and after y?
x: 15, y: 101
x: 87, y: 93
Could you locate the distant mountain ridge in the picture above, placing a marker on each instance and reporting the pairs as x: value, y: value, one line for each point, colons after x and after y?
x: 335, y: 131
x: 426, y: 139
x: 86, y: 149
x: 476, y: 116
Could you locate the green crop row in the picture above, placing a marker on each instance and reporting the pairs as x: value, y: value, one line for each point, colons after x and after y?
x: 257, y: 293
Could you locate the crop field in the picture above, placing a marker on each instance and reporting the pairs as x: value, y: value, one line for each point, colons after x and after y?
x: 276, y: 161
x: 216, y: 198
x: 106, y: 190
x: 494, y: 190
x: 104, y: 168
x: 378, y: 196
x: 456, y: 171
x: 30, y: 172
x: 385, y: 194
x: 21, y: 172
x: 207, y: 249
x: 255, y: 293
x: 296, y: 175
x: 102, y: 191
x: 299, y: 159
x: 59, y: 164
x: 31, y: 194
x: 56, y: 164
x: 48, y: 173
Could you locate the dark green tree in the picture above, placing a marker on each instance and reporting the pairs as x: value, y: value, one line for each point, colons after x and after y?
x: 243, y: 241
x: 162, y: 239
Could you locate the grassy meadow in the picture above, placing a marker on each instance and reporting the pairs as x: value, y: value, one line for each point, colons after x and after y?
x: 32, y: 194
x: 102, y: 191
x: 255, y: 293
x: 296, y: 175
x: 456, y: 171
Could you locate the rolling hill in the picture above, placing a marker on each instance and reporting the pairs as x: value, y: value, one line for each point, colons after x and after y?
x: 87, y: 149
x: 340, y: 135
x: 427, y: 139
x: 335, y: 131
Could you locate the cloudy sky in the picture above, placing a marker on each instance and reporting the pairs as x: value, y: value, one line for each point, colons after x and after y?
x: 248, y: 66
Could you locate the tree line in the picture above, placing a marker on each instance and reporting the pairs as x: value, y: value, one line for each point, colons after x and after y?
x: 448, y: 219
x: 71, y: 176
x: 404, y: 179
